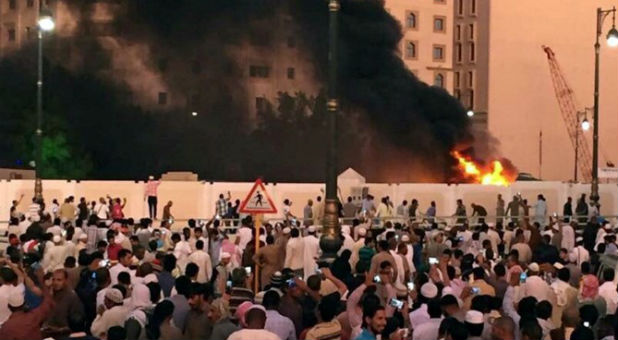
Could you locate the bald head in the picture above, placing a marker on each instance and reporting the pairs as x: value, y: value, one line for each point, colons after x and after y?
x: 503, y: 328
x: 255, y: 318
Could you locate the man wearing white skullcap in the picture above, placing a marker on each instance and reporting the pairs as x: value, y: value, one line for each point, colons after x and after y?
x: 474, y: 323
x: 311, y: 251
x: 115, y: 314
x: 579, y: 254
x: 55, y: 256
x: 421, y: 315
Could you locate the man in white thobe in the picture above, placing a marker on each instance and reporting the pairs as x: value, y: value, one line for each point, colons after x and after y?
x: 311, y: 252
x: 203, y: 262
x: 294, y: 252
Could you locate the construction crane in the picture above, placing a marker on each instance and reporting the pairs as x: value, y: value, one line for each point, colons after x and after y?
x: 569, y: 109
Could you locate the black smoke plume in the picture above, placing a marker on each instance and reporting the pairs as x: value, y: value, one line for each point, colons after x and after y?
x: 396, y: 127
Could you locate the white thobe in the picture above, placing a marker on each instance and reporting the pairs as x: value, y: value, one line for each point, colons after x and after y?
x: 115, y: 316
x: 608, y: 292
x: 311, y: 251
x: 294, y: 252
x: 202, y: 260
x: 182, y: 250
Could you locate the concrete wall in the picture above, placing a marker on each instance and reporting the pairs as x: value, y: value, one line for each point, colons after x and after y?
x: 197, y: 199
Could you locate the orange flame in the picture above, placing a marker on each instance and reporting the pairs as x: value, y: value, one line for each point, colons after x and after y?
x: 493, y: 175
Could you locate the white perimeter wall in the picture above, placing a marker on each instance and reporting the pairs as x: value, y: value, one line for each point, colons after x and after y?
x: 197, y: 199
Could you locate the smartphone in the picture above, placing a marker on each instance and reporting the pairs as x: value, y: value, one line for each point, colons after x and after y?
x: 523, y: 277
x: 248, y: 270
x: 460, y: 239
x: 410, y: 286
x: 555, y: 214
x: 396, y: 303
x: 376, y: 279
x: 103, y: 263
x: 318, y: 270
x: 94, y: 275
x: 476, y: 290
x: 229, y: 283
x: 291, y: 283
x: 433, y: 260
x: 586, y: 324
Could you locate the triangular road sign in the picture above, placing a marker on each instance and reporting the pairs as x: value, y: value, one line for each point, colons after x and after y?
x: 258, y: 201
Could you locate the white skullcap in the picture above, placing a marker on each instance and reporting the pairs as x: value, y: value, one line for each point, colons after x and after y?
x: 57, y: 239
x: 256, y: 306
x: 114, y: 295
x: 362, y: 231
x: 16, y: 299
x: 534, y: 267
x: 225, y: 255
x: 474, y: 317
x: 286, y: 230
x: 429, y: 290
x: 311, y: 229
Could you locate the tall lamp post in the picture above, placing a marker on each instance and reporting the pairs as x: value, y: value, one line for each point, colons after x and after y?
x: 45, y: 24
x: 585, y: 125
x: 330, y: 242
x: 612, y: 41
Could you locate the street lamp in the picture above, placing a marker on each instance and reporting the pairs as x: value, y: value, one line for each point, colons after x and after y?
x: 470, y: 113
x: 585, y: 125
x: 330, y: 242
x: 45, y: 24
x: 612, y: 41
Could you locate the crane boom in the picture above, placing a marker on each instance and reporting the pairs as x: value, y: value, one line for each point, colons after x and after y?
x: 568, y: 107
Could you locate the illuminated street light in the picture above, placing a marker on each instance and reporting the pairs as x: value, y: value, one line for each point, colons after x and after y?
x: 612, y: 37
x: 46, y: 21
x: 585, y: 124
x: 194, y: 113
x: 470, y: 113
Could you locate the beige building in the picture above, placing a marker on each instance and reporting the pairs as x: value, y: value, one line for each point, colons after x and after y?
x: 427, y: 43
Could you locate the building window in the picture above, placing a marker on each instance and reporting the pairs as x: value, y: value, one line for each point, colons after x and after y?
x: 470, y: 79
x: 11, y: 34
x: 291, y: 42
x: 291, y: 73
x: 456, y: 79
x: 457, y: 94
x: 411, y: 20
x: 471, y: 31
x: 30, y: 3
x: 162, y: 98
x: 438, y: 52
x: 259, y: 71
x: 460, y: 7
x: 260, y: 104
x: 196, y: 67
x: 459, y: 52
x: 439, y: 24
x: 162, y: 64
x: 472, y: 52
x: 471, y: 99
x: 12, y: 4
x: 410, y: 50
x: 439, y: 80
x: 472, y: 7
x: 458, y: 32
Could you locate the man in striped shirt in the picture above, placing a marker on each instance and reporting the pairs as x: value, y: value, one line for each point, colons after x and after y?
x: 151, y: 196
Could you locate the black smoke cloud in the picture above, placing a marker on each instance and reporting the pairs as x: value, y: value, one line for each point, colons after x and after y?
x: 408, y: 127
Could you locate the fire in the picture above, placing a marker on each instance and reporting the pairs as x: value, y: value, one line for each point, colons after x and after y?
x: 492, y: 175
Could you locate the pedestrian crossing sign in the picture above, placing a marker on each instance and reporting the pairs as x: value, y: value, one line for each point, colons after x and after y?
x: 258, y: 201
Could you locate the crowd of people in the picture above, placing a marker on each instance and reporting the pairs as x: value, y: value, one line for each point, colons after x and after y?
x: 86, y: 271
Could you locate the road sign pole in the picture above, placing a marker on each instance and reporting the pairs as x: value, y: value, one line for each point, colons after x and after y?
x: 257, y: 221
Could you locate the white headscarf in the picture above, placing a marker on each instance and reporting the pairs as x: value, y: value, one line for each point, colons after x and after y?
x: 140, y: 300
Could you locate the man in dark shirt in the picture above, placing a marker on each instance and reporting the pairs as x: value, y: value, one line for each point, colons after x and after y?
x: 197, y: 325
x: 67, y: 304
x: 567, y: 210
x: 480, y: 211
x: 545, y: 252
x: 166, y: 280
x: 290, y: 306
